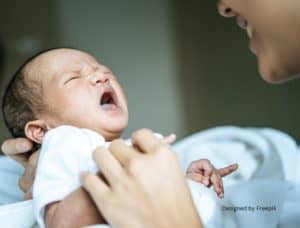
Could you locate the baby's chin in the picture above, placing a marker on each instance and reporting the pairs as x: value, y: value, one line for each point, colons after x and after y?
x: 112, y: 129
x: 111, y: 135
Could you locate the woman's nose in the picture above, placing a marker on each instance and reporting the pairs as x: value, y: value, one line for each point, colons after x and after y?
x: 225, y: 10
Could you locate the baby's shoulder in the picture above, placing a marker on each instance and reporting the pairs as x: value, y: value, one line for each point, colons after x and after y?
x: 70, y: 132
x: 67, y: 134
x: 69, y: 145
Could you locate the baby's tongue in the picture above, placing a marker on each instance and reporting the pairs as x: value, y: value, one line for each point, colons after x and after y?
x: 107, y: 107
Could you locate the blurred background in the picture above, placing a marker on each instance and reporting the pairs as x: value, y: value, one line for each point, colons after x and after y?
x: 184, y: 68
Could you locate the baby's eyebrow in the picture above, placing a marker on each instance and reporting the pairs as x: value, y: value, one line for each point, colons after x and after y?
x: 75, y: 69
x: 63, y: 74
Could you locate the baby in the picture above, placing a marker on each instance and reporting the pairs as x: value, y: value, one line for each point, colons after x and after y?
x: 67, y: 102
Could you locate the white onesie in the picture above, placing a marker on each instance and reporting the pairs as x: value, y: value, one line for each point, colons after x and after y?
x: 66, y: 152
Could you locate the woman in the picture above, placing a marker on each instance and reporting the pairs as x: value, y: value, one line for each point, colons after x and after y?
x: 273, y: 27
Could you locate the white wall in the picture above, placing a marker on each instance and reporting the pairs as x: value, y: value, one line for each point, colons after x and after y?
x: 136, y: 40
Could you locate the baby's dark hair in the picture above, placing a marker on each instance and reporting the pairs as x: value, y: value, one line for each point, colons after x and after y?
x: 22, y: 99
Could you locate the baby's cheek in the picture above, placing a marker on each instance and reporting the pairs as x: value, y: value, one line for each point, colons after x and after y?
x: 54, y: 96
x: 64, y: 102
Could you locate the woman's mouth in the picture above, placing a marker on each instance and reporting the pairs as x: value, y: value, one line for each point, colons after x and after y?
x: 243, y: 23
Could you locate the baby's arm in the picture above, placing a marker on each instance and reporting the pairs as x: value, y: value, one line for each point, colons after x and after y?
x: 75, y: 210
x: 59, y: 200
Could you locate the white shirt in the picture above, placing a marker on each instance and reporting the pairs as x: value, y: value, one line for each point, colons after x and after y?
x: 65, y: 153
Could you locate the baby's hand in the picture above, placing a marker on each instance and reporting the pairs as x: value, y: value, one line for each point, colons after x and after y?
x: 204, y: 172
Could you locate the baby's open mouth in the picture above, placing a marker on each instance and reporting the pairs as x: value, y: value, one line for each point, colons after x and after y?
x: 108, y: 99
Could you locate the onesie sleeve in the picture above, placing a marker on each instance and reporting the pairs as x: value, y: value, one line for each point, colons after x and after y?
x: 65, y: 153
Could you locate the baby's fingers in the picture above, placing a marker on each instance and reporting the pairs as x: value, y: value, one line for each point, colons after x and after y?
x: 228, y: 170
x: 217, y: 184
x: 169, y: 139
x: 196, y: 177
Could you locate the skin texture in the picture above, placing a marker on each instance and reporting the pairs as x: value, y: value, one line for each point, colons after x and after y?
x: 77, y: 86
x: 204, y: 172
x: 81, y: 209
x: 74, y: 79
x: 18, y: 150
x: 273, y: 27
x: 125, y: 162
x: 129, y: 172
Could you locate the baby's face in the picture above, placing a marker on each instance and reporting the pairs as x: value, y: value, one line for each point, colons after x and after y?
x: 80, y: 91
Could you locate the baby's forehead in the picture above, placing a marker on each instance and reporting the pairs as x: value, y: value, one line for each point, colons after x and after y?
x: 58, y: 61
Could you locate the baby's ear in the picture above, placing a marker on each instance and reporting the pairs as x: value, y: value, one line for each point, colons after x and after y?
x: 35, y: 130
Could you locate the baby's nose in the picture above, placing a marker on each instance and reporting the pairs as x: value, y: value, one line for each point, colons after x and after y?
x: 99, y: 77
x: 224, y: 10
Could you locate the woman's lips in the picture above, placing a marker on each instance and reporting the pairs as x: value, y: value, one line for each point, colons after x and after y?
x: 243, y: 23
x: 249, y: 32
x: 252, y: 46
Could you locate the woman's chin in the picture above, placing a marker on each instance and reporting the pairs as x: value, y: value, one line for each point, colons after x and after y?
x: 274, y: 68
x: 271, y: 72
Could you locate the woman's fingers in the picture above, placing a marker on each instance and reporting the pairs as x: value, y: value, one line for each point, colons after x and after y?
x: 145, y: 140
x: 133, y: 200
x: 108, y: 164
x: 122, y: 152
x: 26, y: 181
x: 17, y: 148
x: 28, y: 194
x: 95, y: 186
x: 228, y: 170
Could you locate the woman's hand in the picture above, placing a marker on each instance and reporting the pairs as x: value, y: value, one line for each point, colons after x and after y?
x: 18, y: 149
x: 143, y: 185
